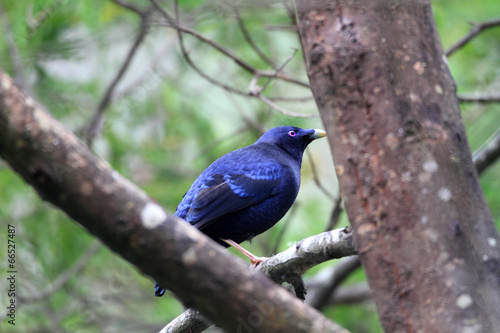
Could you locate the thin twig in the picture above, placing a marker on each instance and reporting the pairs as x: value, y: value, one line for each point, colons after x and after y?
x: 479, y: 98
x: 258, y: 126
x: 338, y: 274
x: 17, y: 64
x: 335, y: 215
x: 243, y: 64
x: 350, y: 294
x: 254, y: 89
x: 185, y: 53
x: 284, y: 227
x: 180, y: 30
x: 285, y: 111
x: 177, y: 26
x: 291, y: 99
x: 97, y: 121
x: 285, y: 77
x: 475, y: 30
x: 488, y: 153
x: 132, y: 87
x: 282, y: 27
x: 207, y: 77
x: 249, y: 38
x: 316, y: 178
x: 130, y: 7
x: 279, y: 69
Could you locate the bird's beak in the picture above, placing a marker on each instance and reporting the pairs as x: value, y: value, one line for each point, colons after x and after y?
x: 317, y: 134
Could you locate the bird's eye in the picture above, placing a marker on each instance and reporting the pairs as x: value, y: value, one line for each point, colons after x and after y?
x: 292, y: 133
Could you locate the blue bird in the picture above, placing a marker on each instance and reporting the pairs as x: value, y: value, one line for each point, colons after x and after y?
x: 247, y: 191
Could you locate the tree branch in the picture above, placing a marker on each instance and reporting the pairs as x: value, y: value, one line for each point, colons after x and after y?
x: 17, y: 64
x: 95, y: 126
x: 350, y: 294
x: 130, y: 7
x: 316, y: 178
x: 287, y: 266
x: 488, y: 154
x: 475, y: 30
x: 336, y: 275
x: 249, y: 38
x: 109, y: 206
x: 283, y: 110
x: 336, y: 211
x: 173, y: 22
x: 479, y: 98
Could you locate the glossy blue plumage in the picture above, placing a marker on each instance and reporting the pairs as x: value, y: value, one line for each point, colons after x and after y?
x: 246, y: 192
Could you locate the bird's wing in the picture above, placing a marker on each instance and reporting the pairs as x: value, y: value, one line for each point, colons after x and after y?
x: 224, y: 194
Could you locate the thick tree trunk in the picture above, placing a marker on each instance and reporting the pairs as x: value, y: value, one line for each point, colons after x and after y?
x: 424, y: 232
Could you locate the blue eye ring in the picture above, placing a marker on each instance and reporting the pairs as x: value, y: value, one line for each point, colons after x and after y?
x: 292, y: 133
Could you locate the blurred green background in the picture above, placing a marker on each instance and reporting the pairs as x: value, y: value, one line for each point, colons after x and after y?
x: 164, y: 126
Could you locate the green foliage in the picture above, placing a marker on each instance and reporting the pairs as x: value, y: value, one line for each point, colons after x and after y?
x: 168, y: 125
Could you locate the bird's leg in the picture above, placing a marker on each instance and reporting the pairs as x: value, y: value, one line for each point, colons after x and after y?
x: 254, y: 260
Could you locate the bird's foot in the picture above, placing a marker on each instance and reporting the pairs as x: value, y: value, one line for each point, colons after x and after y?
x: 254, y: 260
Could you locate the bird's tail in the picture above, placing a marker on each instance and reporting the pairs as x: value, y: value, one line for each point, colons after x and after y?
x: 159, y: 290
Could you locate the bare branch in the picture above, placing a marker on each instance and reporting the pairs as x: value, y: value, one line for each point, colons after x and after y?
x: 279, y: 69
x: 285, y: 27
x: 284, y: 227
x: 336, y: 211
x: 285, y: 111
x: 356, y: 293
x: 131, y: 7
x: 253, y: 91
x: 284, y: 267
x: 316, y: 178
x: 291, y: 99
x: 479, y: 98
x: 284, y: 77
x: 249, y: 38
x: 350, y: 294
x: 95, y: 126
x: 488, y: 153
x: 307, y: 253
x: 190, y: 321
x: 19, y: 77
x: 207, y: 77
x: 180, y: 28
x: 475, y: 30
x: 185, y: 54
x: 240, y: 62
x: 337, y: 274
x: 150, y: 70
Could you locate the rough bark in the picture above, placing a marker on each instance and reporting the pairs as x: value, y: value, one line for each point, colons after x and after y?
x: 388, y: 102
x: 66, y: 173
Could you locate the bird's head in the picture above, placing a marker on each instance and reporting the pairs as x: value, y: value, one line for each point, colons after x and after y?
x: 292, y: 139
